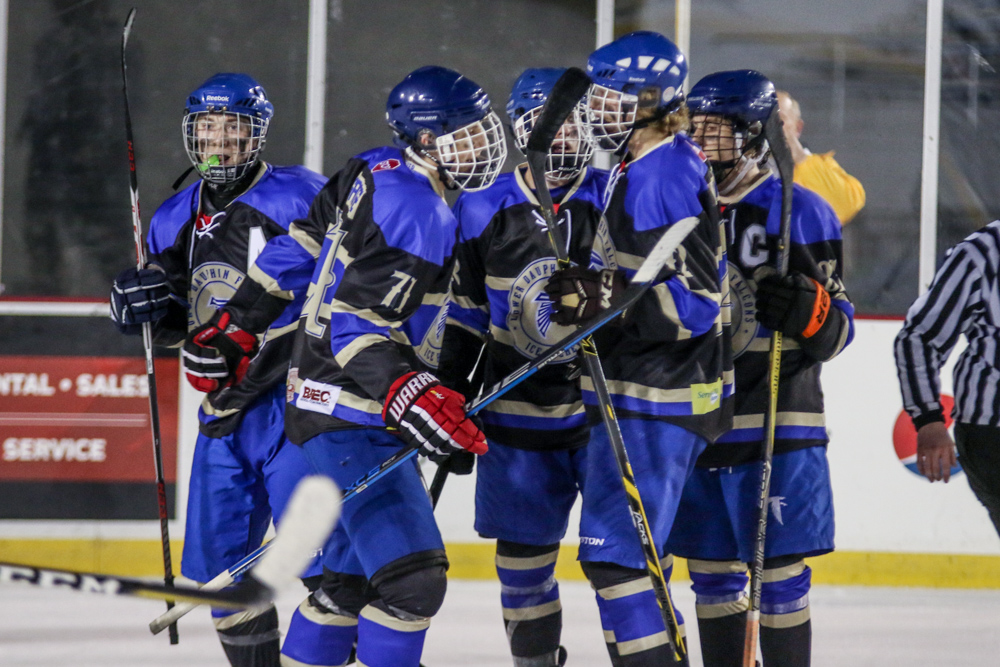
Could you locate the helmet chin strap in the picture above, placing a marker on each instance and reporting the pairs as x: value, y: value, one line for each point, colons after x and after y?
x: 429, y: 162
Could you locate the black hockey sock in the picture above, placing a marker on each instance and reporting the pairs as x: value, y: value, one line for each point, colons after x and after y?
x: 786, y: 647
x: 722, y: 640
x: 251, y: 638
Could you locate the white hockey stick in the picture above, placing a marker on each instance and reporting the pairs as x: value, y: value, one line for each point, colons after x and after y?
x: 309, y: 519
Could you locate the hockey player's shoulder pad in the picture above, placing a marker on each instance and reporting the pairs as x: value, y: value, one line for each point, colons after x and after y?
x: 655, y: 199
x: 475, y: 210
x: 410, y: 214
x: 591, y: 188
x: 170, y: 218
x: 283, y: 193
x: 813, y: 219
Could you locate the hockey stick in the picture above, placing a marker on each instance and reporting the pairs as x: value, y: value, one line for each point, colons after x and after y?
x: 641, y: 281
x: 783, y: 158
x: 312, y: 512
x: 147, y: 337
x: 563, y: 98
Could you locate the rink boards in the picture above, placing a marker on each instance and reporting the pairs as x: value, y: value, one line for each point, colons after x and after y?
x: 893, y: 527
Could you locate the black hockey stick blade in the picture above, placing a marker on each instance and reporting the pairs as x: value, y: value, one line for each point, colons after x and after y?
x: 309, y: 519
x: 782, y: 155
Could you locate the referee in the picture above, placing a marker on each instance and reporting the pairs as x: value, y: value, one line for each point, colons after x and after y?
x: 964, y: 298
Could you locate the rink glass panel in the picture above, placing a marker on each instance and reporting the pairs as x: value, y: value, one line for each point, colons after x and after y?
x: 67, y: 228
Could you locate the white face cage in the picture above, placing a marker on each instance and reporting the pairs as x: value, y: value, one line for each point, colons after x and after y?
x: 223, y: 146
x: 611, y: 115
x: 473, y: 155
x: 572, y: 148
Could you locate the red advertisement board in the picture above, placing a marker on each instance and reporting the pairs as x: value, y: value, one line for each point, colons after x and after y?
x: 84, y: 419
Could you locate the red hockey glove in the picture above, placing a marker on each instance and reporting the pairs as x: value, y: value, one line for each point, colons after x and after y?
x: 580, y: 294
x: 217, y: 353
x: 430, y: 415
x: 795, y: 305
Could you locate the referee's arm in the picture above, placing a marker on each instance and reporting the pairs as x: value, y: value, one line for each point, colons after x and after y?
x: 933, y: 325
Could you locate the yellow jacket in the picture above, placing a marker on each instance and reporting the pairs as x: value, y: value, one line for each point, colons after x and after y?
x: 821, y: 174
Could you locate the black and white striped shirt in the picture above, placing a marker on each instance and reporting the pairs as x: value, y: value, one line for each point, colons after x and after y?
x: 963, y: 298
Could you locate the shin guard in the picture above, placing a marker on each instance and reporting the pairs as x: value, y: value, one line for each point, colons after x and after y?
x: 785, y: 626
x: 721, y: 604
x: 532, y: 611
x: 250, y: 638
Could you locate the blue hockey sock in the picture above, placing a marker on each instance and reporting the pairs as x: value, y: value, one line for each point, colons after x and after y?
x: 320, y: 636
x: 386, y: 640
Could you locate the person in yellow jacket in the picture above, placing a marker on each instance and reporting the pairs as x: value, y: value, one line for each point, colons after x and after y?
x: 819, y: 172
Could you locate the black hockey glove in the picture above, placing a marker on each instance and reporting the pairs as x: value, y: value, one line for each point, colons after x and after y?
x: 426, y: 413
x: 795, y: 305
x: 138, y: 296
x: 580, y: 294
x: 217, y: 354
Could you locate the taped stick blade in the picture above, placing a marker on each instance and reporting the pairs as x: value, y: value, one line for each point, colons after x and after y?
x: 309, y: 519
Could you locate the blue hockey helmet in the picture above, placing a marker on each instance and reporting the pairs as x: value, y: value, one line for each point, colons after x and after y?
x: 440, y: 114
x: 641, y: 70
x: 729, y: 111
x: 573, y: 145
x: 225, y: 126
x: 743, y: 96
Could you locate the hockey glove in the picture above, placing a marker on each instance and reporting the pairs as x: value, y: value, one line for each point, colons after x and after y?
x: 795, y: 305
x: 217, y: 353
x: 428, y: 414
x: 580, y: 294
x: 137, y: 296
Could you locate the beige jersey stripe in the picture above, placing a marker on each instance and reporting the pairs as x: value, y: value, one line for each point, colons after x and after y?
x: 360, y: 343
x: 269, y: 284
x: 307, y: 242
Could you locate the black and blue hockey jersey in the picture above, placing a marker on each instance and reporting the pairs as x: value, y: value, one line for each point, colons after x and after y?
x: 670, y: 358
x: 207, y: 256
x: 375, y: 306
x: 503, y: 261
x: 753, y: 226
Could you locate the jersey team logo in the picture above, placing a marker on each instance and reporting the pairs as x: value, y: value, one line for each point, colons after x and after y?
x: 529, y: 313
x: 212, y: 286
x: 391, y: 163
x: 429, y: 350
x: 904, y: 437
x: 744, y: 314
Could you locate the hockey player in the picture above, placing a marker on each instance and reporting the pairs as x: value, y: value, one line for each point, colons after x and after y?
x: 717, y: 519
x: 537, y: 432
x: 667, y: 361
x: 202, y: 243
x: 380, y: 236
